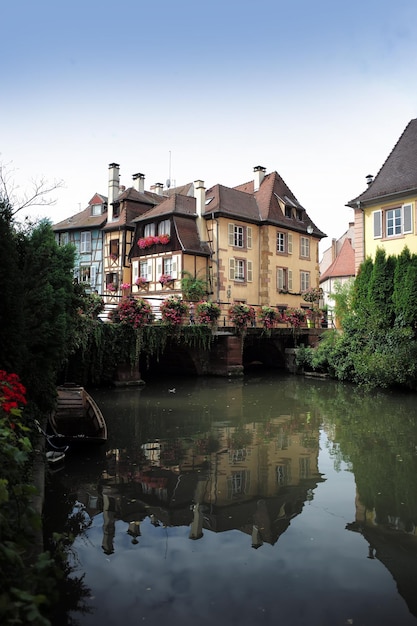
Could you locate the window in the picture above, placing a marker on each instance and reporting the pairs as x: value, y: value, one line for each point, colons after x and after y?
x: 164, y: 227
x: 88, y: 274
x: 149, y: 230
x: 238, y: 483
x: 143, y: 269
x: 239, y: 236
x: 283, y: 473
x: 97, y: 209
x: 281, y: 247
x: 288, y: 211
x: 112, y: 279
x: 284, y: 279
x: 63, y: 239
x: 304, y: 467
x: 393, y: 222
x: 114, y: 249
x: 304, y: 281
x: 305, y: 247
x: 284, y: 243
x: 300, y: 215
x: 85, y: 242
x: 167, y: 266
x: 240, y: 270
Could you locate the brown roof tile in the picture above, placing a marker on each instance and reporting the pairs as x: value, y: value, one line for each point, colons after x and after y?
x: 399, y: 172
x: 231, y: 202
x: 83, y: 219
x: 175, y: 204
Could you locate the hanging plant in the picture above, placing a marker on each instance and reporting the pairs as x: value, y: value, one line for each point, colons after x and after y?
x: 269, y: 317
x: 294, y: 317
x: 241, y: 316
x: 133, y: 312
x: 174, y: 310
x: 207, y: 313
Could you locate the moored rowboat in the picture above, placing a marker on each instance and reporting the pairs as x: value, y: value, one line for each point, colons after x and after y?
x: 77, y: 418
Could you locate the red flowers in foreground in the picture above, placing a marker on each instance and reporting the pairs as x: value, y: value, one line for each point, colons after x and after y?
x: 12, y: 392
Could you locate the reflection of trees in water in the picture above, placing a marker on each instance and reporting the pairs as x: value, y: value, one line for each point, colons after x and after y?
x: 376, y: 435
x: 71, y: 519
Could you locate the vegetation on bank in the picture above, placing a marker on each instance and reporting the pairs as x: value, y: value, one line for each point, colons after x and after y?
x: 377, y: 343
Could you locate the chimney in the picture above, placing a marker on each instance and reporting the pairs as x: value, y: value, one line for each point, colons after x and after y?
x: 369, y: 179
x: 158, y: 187
x: 259, y: 176
x: 114, y: 182
x: 200, y: 199
x: 139, y: 182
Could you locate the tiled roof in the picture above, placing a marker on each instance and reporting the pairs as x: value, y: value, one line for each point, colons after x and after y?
x: 232, y: 202
x: 272, y: 195
x: 187, y: 233
x: 344, y: 264
x: 173, y: 205
x: 399, y: 172
x: 83, y: 220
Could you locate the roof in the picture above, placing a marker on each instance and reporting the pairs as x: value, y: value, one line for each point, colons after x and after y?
x: 132, y: 203
x: 188, y: 237
x: 398, y: 174
x: 232, y: 202
x: 176, y: 204
x: 272, y: 197
x: 82, y: 220
x: 344, y: 264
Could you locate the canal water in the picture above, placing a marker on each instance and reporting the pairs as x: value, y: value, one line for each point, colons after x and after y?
x: 270, y: 499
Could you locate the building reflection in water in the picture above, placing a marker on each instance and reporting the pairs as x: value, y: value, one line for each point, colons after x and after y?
x: 253, y: 478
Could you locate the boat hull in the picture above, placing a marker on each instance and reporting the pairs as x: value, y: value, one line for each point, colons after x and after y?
x: 77, y: 419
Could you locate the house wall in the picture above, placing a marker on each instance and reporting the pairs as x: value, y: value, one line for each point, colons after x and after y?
x: 395, y: 244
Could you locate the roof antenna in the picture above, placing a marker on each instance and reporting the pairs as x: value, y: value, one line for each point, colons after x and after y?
x: 168, y: 183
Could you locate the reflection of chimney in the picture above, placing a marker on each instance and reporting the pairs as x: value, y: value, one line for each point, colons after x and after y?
x: 114, y: 181
x: 196, y: 530
x: 200, y: 199
x: 139, y: 182
x: 259, y: 176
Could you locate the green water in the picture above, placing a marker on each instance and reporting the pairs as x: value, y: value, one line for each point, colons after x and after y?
x: 267, y: 500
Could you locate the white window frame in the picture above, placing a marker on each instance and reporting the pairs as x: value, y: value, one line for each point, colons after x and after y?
x: 304, y: 247
x: 239, y: 236
x: 281, y: 242
x: 164, y: 227
x: 241, y: 270
x: 149, y: 230
x: 305, y: 281
x: 85, y: 242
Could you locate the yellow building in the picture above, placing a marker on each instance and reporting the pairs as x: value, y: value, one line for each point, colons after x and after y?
x: 254, y: 243
x: 385, y: 213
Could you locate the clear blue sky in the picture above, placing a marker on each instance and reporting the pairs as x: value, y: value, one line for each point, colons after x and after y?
x: 318, y: 91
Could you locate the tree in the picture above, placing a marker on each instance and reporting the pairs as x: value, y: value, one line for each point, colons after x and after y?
x: 37, y: 196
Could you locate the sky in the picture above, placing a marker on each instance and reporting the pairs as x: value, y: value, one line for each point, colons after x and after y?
x: 318, y: 91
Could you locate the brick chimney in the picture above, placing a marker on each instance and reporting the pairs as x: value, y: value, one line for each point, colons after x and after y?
x: 114, y: 187
x: 139, y: 182
x: 259, y: 176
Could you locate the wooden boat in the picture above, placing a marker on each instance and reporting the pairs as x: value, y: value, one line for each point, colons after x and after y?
x: 77, y: 419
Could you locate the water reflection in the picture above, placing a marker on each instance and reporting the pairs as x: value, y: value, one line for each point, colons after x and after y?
x: 230, y: 468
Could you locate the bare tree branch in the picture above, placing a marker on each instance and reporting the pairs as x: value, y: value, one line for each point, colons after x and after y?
x: 37, y: 196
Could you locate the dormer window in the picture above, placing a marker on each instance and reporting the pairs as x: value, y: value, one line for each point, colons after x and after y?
x: 164, y: 227
x: 149, y: 230
x: 288, y: 211
x: 97, y: 209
